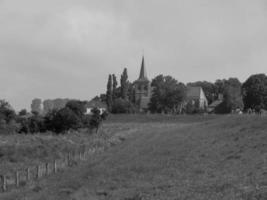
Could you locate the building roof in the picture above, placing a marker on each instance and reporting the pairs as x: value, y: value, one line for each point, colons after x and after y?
x: 96, y: 103
x: 214, y: 104
x: 193, y: 92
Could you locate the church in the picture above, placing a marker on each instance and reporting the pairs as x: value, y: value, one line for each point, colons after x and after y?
x: 143, y: 92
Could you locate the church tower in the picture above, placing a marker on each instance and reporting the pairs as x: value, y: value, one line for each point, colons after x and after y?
x: 142, y: 89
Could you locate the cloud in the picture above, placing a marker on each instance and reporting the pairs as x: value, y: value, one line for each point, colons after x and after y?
x: 66, y: 48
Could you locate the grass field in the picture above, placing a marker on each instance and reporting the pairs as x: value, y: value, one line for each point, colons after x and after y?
x: 166, y: 157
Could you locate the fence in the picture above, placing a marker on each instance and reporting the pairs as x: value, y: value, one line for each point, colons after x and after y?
x: 29, y: 174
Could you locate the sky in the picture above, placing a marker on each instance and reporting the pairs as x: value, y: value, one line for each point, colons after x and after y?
x: 66, y: 48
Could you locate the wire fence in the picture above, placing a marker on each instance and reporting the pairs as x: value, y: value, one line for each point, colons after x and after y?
x: 32, y: 173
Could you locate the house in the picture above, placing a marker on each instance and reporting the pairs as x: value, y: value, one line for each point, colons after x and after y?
x: 95, y: 104
x: 196, y: 95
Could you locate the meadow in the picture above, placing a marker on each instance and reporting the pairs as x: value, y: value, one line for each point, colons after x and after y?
x: 161, y: 157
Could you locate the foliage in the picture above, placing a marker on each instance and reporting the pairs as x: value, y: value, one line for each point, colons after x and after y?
x: 114, y: 87
x: 167, y: 96
x: 96, y: 119
x: 122, y: 106
x: 36, y: 106
x: 255, y: 91
x: 109, y: 93
x: 78, y: 107
x: 124, y: 84
x: 63, y: 120
x: 7, y: 113
x: 23, y: 112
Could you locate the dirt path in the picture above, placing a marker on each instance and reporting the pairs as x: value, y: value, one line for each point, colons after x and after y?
x: 174, y: 162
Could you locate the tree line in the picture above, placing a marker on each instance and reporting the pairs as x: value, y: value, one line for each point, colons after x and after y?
x: 71, y: 117
x: 169, y: 95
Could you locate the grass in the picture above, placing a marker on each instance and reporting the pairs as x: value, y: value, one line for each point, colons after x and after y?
x: 167, y: 157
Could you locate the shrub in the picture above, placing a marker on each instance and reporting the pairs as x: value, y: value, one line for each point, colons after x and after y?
x: 96, y: 119
x: 122, y: 106
x: 63, y: 120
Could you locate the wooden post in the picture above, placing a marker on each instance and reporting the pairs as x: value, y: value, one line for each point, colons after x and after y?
x: 4, y: 185
x: 38, y: 171
x: 46, y: 169
x: 55, y: 166
x: 28, y: 174
x: 17, y: 179
x: 69, y: 157
x: 80, y: 156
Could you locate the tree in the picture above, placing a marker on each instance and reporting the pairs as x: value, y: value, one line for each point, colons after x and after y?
x: 109, y: 93
x: 167, y: 95
x: 124, y: 84
x: 78, y: 107
x: 255, y: 92
x: 96, y: 119
x: 122, y: 106
x: 232, y: 92
x: 7, y: 113
x: 63, y: 120
x: 36, y: 105
x: 114, y: 87
x: 23, y: 112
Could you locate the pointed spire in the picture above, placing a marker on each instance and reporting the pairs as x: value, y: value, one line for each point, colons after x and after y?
x: 143, y: 74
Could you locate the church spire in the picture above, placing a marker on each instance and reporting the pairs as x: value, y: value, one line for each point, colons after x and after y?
x: 143, y: 74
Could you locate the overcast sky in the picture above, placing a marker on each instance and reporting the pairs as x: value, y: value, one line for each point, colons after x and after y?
x: 65, y: 48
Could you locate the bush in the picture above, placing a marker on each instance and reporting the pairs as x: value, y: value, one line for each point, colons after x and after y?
x: 122, y: 106
x: 96, y: 119
x: 63, y: 120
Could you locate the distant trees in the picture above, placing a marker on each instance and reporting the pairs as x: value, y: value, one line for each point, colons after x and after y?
x: 255, y: 92
x: 114, y: 87
x: 167, y: 95
x: 54, y: 104
x: 232, y: 92
x: 120, y: 99
x: 7, y: 114
x: 122, y: 106
x: 23, y: 112
x: 109, y: 94
x: 36, y: 106
x: 124, y: 84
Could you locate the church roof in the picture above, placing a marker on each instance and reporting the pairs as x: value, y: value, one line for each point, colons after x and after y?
x: 143, y: 74
x: 195, y: 93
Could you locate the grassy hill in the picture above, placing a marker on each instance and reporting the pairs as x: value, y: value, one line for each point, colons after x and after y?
x: 184, y: 157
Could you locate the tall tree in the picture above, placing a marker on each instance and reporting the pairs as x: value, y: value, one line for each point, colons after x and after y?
x: 109, y: 93
x: 232, y: 95
x: 36, y: 106
x: 114, y: 87
x: 124, y: 84
x: 168, y: 94
x: 255, y: 91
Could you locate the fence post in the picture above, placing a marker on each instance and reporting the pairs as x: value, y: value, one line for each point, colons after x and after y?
x: 28, y: 174
x: 46, y: 169
x: 38, y: 171
x: 69, y: 157
x: 55, y: 166
x: 17, y: 179
x: 4, y: 185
